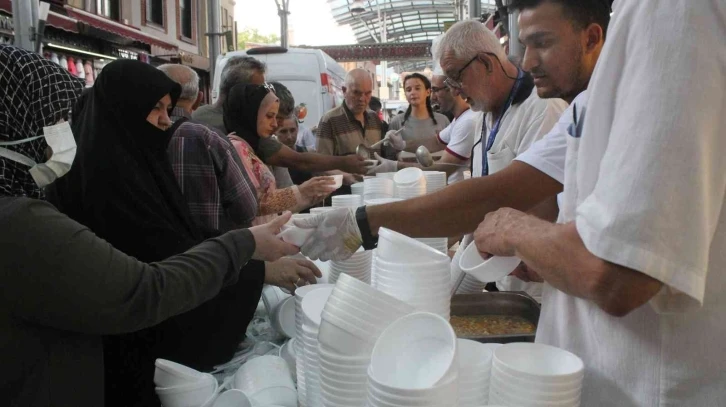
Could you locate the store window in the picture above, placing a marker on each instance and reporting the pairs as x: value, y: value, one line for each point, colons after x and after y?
x: 109, y: 9
x: 155, y: 12
x: 185, y: 17
x: 77, y: 3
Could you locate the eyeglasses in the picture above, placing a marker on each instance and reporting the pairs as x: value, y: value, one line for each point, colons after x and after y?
x: 269, y: 87
x: 456, y: 83
x: 434, y: 89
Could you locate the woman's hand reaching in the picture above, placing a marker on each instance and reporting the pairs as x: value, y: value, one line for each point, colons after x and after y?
x: 316, y: 189
x: 268, y: 246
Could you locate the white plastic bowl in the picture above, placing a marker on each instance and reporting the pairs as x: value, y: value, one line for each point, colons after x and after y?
x: 350, y: 286
x: 529, y: 393
x: 408, y: 176
x: 486, y: 270
x: 279, y: 396
x: 263, y: 372
x: 414, y: 352
x: 338, y: 181
x: 313, y: 303
x: 394, y: 246
x: 283, y: 317
x: 172, y: 374
x: 232, y: 398
x: 295, y: 235
x: 539, y: 362
x: 188, y: 395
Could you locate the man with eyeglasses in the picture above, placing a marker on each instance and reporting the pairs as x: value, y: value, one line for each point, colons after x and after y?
x: 457, y: 139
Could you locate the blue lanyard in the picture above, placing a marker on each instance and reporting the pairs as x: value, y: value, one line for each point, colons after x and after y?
x: 495, y: 129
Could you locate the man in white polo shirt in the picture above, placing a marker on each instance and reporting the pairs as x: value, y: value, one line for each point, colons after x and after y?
x: 636, y: 267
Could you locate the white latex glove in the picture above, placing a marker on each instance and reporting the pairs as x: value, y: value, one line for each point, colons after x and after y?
x: 395, y: 139
x: 336, y: 235
x: 384, y: 165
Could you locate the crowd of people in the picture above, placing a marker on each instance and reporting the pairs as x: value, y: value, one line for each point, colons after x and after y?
x: 138, y: 224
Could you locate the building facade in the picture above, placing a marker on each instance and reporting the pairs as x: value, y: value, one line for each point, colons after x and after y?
x: 91, y: 33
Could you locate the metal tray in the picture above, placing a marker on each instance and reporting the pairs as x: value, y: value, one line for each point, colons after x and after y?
x: 498, y: 303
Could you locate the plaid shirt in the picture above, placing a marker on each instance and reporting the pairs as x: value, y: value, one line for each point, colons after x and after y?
x: 339, y: 132
x: 219, y: 194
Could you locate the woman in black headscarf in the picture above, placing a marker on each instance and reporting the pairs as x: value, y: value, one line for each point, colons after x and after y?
x: 61, y: 286
x: 123, y: 188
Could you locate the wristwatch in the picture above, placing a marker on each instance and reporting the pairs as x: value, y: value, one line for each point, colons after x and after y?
x: 370, y: 242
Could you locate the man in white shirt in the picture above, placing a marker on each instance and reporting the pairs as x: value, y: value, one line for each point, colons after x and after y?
x: 573, y: 35
x: 636, y: 267
x: 457, y: 139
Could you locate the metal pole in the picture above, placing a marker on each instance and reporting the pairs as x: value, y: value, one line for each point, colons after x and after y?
x: 462, y: 10
x: 515, y: 48
x: 474, y: 9
x: 23, y: 24
x: 213, y: 32
x: 384, y: 39
x: 283, y: 11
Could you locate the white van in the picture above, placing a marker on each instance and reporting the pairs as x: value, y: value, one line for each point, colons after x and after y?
x: 313, y: 77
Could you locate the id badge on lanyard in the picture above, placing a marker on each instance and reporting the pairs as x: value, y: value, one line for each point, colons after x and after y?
x: 495, y: 129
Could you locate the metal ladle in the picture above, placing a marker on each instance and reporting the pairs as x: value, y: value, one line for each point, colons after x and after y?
x: 423, y: 156
x: 363, y: 152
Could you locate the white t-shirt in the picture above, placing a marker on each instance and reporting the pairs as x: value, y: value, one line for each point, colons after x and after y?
x: 305, y: 138
x: 645, y: 184
x: 521, y: 126
x: 548, y: 154
x: 459, y: 139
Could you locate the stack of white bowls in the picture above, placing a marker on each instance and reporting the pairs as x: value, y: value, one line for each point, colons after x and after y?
x: 381, y: 201
x: 312, y: 307
x: 536, y: 375
x: 439, y: 243
x: 300, y: 294
x: 357, y: 189
x: 379, y: 187
x: 347, y: 201
x: 267, y: 381
x: 357, y: 266
x: 475, y: 366
x: 414, y: 363
x: 413, y: 272
x: 388, y: 175
x: 181, y: 386
x: 435, y: 180
x: 352, y: 320
x: 410, y: 183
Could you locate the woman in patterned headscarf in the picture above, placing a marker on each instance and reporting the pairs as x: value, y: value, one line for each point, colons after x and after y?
x: 62, y: 287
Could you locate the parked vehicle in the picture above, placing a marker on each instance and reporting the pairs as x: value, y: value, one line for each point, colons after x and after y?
x: 313, y: 77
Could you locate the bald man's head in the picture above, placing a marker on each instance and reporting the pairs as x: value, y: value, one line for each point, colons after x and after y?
x: 358, y: 90
x: 189, y: 80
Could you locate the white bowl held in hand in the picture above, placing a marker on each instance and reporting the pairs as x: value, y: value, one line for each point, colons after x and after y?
x: 338, y: 181
x: 416, y: 351
x: 486, y: 270
x: 295, y: 235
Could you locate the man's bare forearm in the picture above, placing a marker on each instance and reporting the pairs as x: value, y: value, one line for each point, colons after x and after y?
x: 459, y: 208
x: 560, y: 257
